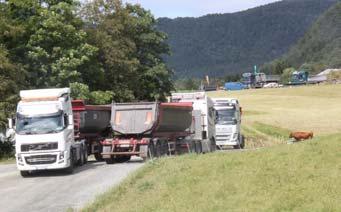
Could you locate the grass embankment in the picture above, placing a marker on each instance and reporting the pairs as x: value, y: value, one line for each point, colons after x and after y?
x: 297, y: 177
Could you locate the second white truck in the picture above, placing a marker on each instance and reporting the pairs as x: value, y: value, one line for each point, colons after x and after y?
x: 228, y: 123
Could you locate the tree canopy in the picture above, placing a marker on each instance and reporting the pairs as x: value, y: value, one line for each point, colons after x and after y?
x: 104, y: 50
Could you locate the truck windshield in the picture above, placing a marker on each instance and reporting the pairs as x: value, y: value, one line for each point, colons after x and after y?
x: 226, y: 116
x: 39, y: 124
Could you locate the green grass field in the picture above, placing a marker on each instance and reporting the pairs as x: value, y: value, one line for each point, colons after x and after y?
x: 282, y: 177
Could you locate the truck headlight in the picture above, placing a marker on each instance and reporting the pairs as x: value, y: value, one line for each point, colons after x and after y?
x: 235, y: 136
x: 61, y: 155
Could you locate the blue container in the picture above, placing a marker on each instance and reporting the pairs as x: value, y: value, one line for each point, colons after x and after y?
x: 234, y: 86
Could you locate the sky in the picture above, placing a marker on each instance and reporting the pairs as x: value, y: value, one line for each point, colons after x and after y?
x: 196, y: 8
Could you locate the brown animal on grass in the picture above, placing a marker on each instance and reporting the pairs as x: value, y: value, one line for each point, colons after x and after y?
x: 299, y: 136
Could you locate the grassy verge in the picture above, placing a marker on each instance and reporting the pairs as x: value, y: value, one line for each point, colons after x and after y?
x: 298, y: 177
x: 7, y: 160
x: 259, y: 135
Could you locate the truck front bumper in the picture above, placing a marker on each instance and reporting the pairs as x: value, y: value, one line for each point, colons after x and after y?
x: 42, y: 161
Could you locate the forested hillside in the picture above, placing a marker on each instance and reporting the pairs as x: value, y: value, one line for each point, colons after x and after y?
x: 221, y: 44
x: 321, y: 45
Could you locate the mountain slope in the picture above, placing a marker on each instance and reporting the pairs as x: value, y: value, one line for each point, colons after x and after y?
x: 230, y: 43
x: 322, y: 43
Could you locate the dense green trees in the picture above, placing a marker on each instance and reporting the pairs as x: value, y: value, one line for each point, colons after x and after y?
x: 105, y: 51
x: 321, y: 46
x: 130, y: 50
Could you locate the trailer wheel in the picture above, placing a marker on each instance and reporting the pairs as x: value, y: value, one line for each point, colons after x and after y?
x: 198, y: 147
x: 24, y: 173
x: 81, y: 160
x: 213, y: 145
x: 109, y: 160
x: 85, y: 155
x: 151, y: 151
x: 158, y: 150
x: 98, y: 156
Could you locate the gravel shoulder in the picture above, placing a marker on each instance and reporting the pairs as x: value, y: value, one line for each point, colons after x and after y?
x: 56, y: 191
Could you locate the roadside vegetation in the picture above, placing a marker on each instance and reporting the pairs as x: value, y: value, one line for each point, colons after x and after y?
x: 299, y: 177
x: 282, y: 177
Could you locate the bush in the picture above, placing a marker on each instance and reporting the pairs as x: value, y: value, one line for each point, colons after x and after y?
x: 6, y: 150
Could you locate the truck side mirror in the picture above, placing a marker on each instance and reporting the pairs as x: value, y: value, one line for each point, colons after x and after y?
x: 10, y: 123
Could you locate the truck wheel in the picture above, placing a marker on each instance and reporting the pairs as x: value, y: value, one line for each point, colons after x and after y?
x: 109, y: 160
x: 213, y: 145
x: 198, y: 147
x: 242, y: 145
x: 98, y: 156
x: 69, y: 170
x: 81, y: 157
x: 158, y: 150
x: 237, y: 146
x: 85, y: 156
x: 122, y: 159
x: 24, y: 173
x: 151, y: 150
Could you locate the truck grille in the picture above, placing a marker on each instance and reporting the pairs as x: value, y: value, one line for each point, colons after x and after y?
x: 41, y: 159
x: 39, y: 147
x: 223, y: 137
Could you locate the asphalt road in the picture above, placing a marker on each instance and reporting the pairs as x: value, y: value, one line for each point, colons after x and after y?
x: 56, y: 191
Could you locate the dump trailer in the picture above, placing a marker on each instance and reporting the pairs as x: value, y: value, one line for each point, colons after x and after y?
x: 147, y: 129
x: 44, y: 132
x: 92, y: 124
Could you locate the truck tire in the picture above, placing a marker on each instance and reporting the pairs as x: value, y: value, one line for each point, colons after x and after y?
x: 198, y: 147
x: 213, y: 145
x: 122, y: 159
x: 98, y: 157
x: 158, y: 150
x: 109, y: 160
x: 85, y: 156
x: 24, y: 173
x: 81, y: 160
x: 242, y: 144
x: 69, y: 170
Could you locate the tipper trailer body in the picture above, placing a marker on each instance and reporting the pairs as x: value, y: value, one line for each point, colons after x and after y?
x: 92, y: 124
x: 147, y: 129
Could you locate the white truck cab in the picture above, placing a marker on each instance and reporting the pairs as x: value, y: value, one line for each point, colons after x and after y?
x: 227, y: 123
x: 44, y: 132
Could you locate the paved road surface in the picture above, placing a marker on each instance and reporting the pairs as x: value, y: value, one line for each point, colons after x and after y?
x: 55, y: 191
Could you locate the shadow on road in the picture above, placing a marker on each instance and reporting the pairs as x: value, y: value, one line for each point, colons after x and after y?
x: 92, y: 164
